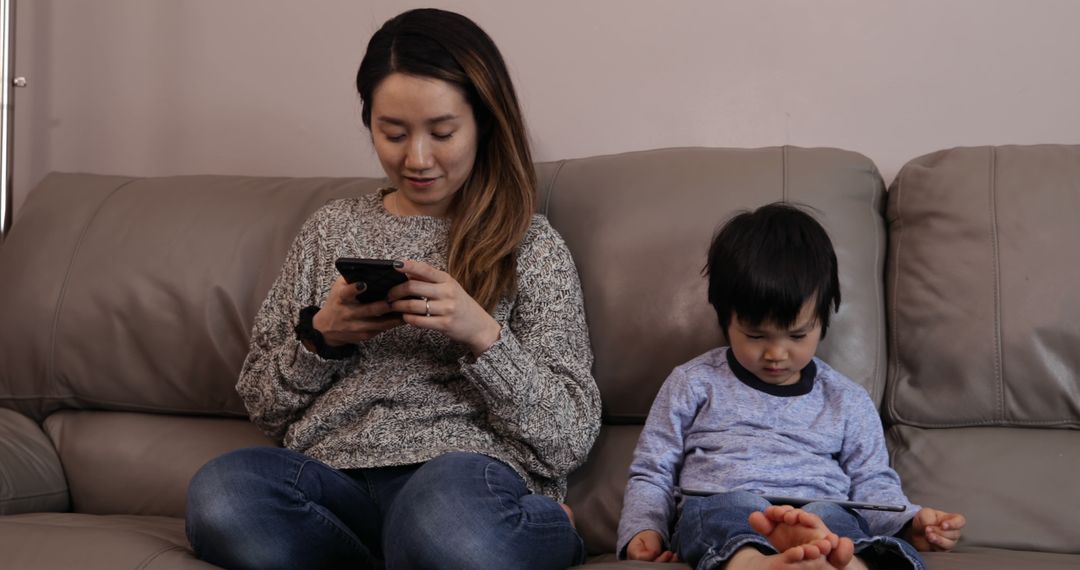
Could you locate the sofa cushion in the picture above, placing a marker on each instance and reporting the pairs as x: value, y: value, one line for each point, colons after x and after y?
x: 139, y: 293
x: 595, y: 491
x: 963, y: 558
x: 90, y: 542
x: 31, y: 478
x: 983, y: 273
x: 639, y: 226
x: 984, y: 311
x: 1016, y: 486
x: 131, y: 463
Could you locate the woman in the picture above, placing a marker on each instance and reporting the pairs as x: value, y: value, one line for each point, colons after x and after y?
x: 434, y: 429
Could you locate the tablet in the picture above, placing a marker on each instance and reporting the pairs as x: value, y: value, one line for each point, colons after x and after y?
x: 800, y: 501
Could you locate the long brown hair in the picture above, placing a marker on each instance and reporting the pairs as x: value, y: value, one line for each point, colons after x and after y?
x: 493, y: 210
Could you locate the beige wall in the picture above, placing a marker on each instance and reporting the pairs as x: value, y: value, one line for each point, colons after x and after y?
x: 153, y: 87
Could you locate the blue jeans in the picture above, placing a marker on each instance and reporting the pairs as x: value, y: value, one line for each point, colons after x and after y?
x: 711, y: 529
x: 267, y: 507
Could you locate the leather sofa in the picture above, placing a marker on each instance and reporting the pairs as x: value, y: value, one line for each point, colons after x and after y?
x: 126, y: 305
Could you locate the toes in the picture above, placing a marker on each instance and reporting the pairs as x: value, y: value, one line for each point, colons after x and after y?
x: 761, y: 523
x: 776, y: 513
x: 806, y: 519
x: 842, y: 555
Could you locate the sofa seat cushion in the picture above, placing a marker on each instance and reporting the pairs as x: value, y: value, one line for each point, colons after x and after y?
x: 961, y: 559
x: 46, y: 541
x: 140, y: 464
x: 1016, y: 486
x: 974, y: 558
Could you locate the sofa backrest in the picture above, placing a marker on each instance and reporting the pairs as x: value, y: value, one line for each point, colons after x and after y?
x: 127, y: 305
x: 128, y: 302
x: 138, y: 294
x: 984, y: 311
x: 640, y: 224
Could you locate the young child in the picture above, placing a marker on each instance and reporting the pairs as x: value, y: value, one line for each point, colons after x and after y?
x: 763, y: 416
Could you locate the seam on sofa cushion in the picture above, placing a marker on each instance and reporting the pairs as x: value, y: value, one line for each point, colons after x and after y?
x: 154, y: 556
x: 550, y: 189
x: 880, y: 251
x: 893, y: 372
x: 50, y: 365
x: 784, y: 173
x: 999, y: 376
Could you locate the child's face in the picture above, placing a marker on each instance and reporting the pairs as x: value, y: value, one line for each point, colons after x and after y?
x: 776, y: 355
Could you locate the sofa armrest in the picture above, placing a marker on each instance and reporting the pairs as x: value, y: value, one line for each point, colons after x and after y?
x: 31, y: 478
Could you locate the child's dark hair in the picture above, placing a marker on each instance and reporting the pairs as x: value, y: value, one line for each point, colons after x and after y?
x: 765, y: 264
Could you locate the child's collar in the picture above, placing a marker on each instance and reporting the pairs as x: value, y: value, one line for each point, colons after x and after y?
x: 800, y: 388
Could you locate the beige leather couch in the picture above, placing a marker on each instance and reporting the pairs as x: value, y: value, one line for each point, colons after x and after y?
x: 125, y: 307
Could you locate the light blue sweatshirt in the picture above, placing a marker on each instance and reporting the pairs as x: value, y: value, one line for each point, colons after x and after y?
x: 715, y: 430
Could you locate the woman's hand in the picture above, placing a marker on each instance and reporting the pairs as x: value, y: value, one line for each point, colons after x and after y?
x: 342, y: 320
x: 432, y: 299
x: 648, y: 545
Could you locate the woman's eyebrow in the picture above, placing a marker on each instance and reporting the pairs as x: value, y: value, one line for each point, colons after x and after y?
x: 441, y: 118
x: 401, y: 122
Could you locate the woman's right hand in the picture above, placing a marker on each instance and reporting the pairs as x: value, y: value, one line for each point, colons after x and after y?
x: 648, y: 545
x: 343, y: 320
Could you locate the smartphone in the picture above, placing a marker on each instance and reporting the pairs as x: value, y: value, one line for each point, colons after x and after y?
x: 379, y: 275
x: 800, y: 501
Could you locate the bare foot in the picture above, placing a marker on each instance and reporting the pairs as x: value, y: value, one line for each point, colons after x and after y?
x: 803, y: 557
x: 789, y: 529
x: 569, y: 513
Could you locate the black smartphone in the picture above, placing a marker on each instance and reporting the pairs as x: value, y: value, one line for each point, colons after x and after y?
x: 379, y: 275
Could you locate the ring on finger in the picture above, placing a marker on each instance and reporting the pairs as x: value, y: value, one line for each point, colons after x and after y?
x: 427, y: 307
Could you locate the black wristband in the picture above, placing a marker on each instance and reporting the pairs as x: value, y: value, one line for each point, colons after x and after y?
x: 305, y: 330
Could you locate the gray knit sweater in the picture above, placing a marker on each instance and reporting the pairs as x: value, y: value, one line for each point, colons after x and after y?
x: 412, y: 394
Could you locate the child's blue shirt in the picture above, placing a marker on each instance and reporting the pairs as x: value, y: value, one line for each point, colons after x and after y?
x: 709, y: 430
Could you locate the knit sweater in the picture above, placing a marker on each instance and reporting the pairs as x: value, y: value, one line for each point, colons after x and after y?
x: 713, y: 429
x: 412, y: 394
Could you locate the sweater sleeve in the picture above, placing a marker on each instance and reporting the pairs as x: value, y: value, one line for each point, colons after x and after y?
x: 536, y: 379
x: 865, y: 459
x: 649, y: 499
x: 280, y: 377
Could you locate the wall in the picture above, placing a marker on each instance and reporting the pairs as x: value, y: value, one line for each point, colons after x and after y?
x: 156, y: 87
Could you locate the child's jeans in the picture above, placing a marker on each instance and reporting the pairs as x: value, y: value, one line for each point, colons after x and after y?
x: 711, y: 529
x: 268, y: 507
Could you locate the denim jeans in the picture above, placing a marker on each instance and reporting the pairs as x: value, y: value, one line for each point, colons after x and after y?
x: 711, y: 529
x: 268, y: 507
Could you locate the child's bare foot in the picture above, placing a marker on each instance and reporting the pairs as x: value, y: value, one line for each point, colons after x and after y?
x: 789, y: 529
x: 804, y: 557
x: 569, y: 513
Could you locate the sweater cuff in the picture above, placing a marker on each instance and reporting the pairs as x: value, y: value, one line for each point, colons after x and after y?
x: 307, y: 371
x: 504, y: 370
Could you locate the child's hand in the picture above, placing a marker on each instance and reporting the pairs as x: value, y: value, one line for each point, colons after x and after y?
x: 932, y: 529
x: 648, y: 545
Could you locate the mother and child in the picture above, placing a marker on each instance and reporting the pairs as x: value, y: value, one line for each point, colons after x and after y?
x: 435, y: 428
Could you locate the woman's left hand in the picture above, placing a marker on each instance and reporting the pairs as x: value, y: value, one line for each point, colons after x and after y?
x: 432, y: 299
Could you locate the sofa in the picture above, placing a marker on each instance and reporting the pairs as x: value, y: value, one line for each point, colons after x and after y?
x: 126, y: 305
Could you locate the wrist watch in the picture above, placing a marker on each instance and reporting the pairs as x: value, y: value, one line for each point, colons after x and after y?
x: 305, y: 330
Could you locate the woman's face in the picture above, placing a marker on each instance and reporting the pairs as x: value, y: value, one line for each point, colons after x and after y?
x: 425, y: 135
